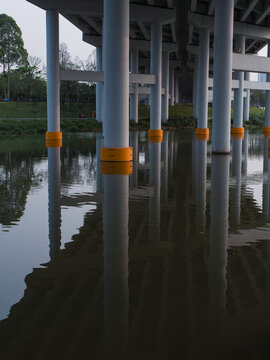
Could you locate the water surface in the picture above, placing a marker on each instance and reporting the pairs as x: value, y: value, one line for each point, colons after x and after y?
x: 170, y: 262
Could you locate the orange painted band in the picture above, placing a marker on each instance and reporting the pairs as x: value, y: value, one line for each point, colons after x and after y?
x: 238, y: 136
x: 54, y: 143
x: 116, y: 154
x: 154, y: 132
x: 57, y: 135
x: 238, y: 130
x: 200, y: 131
x: 266, y: 130
x: 155, y: 139
x: 116, y: 168
x: 202, y: 137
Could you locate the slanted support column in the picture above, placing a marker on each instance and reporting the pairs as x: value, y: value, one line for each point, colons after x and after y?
x: 116, y: 82
x: 266, y: 128
x: 203, y: 71
x: 172, y: 85
x: 195, y: 88
x: 99, y: 85
x: 223, y: 39
x: 238, y: 93
x: 165, y: 85
x: 134, y: 68
x: 53, y: 82
x: 156, y: 55
x: 247, y: 99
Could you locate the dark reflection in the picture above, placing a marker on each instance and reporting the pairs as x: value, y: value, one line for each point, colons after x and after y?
x: 116, y: 291
x: 266, y: 179
x: 134, y: 136
x: 235, y: 209
x: 200, y: 181
x: 54, y: 205
x: 218, y: 243
x: 99, y: 144
x: 17, y: 175
x: 155, y: 271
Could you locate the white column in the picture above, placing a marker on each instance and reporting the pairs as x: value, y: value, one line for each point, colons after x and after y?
x: 203, y: 72
x: 247, y: 99
x: 99, y: 85
x: 134, y: 68
x: 267, y: 105
x: 238, y: 93
x: 116, y: 74
x: 156, y: 54
x: 53, y: 81
x: 223, y: 39
x: 172, y: 85
x: 54, y: 203
x: 165, y: 85
x: 195, y: 88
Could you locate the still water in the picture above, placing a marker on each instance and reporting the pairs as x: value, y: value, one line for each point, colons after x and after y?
x: 171, y: 262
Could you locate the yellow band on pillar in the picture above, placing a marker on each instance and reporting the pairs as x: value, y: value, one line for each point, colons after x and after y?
x: 155, y: 139
x: 266, y: 130
x: 116, y: 154
x: 238, y: 130
x: 56, y: 135
x: 238, y: 136
x: 54, y: 143
x: 201, y: 131
x: 116, y: 168
x: 155, y: 133
x: 202, y: 137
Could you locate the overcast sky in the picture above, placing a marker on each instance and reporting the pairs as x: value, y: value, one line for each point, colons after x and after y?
x: 31, y: 20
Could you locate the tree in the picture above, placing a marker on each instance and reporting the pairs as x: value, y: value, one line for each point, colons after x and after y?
x: 12, y: 51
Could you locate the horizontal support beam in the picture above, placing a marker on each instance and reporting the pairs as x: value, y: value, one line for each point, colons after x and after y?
x: 98, y: 76
x: 144, y: 90
x: 249, y: 30
x: 248, y: 85
x: 210, y: 95
x: 235, y: 83
x: 94, y: 8
x: 145, y: 45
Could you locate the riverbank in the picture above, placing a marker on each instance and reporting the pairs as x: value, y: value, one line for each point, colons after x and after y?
x: 30, y: 118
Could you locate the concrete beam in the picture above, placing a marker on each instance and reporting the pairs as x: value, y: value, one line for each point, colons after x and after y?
x: 98, y: 76
x: 94, y: 8
x: 144, y: 45
x: 144, y: 90
x: 249, y: 30
x: 248, y: 10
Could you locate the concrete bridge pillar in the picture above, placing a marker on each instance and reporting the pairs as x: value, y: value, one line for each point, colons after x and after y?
x: 53, y: 81
x: 266, y: 129
x: 134, y: 68
x: 237, y: 141
x: 116, y: 82
x: 238, y: 93
x: 195, y: 88
x: 165, y: 85
x: 223, y: 39
x: 247, y: 99
x: 156, y: 59
x: 172, y: 85
x: 99, y: 85
x: 203, y: 73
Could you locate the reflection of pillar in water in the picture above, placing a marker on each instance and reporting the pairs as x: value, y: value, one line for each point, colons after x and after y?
x: 218, y: 239
x: 98, y: 175
x: 245, y: 150
x: 134, y: 145
x: 236, y: 174
x: 54, y: 205
x: 154, y: 216
x: 265, y: 203
x: 164, y: 148
x: 201, y: 173
x: 116, y: 292
x: 171, y: 157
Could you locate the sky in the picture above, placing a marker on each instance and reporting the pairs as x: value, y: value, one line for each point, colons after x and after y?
x: 31, y: 20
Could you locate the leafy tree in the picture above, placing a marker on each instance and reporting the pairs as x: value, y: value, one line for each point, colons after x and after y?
x: 12, y: 51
